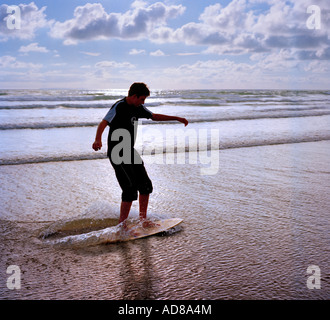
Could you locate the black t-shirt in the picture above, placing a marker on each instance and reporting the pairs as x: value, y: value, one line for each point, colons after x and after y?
x: 123, y: 116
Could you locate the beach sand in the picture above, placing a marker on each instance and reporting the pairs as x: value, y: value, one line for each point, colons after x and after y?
x: 249, y: 232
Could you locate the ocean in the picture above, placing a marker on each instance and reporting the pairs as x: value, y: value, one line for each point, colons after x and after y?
x: 249, y: 175
x: 58, y: 125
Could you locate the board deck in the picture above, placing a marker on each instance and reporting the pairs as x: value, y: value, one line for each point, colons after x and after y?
x: 117, y: 234
x: 137, y: 231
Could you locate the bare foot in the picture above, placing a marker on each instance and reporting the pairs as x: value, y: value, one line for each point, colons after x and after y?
x: 123, y: 225
x: 127, y: 231
x: 149, y: 224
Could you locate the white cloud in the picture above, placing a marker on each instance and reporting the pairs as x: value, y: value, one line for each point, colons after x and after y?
x: 318, y: 67
x: 93, y: 54
x: 11, y: 62
x: 31, y: 18
x: 113, y: 64
x: 139, y: 3
x: 157, y: 53
x: 280, y: 61
x: 215, y: 69
x: 241, y: 28
x: 59, y: 64
x: 33, y: 47
x: 187, y: 53
x: 137, y: 52
x: 92, y: 22
x: 262, y: 40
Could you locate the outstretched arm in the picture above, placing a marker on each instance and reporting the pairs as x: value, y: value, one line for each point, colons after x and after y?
x: 97, y: 145
x: 163, y: 117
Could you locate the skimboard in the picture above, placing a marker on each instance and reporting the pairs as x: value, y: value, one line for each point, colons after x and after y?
x: 136, y: 231
x: 118, y: 234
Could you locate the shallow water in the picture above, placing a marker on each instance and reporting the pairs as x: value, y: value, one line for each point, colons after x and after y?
x: 249, y: 232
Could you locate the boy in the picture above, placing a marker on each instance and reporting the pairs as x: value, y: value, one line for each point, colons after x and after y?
x: 128, y: 165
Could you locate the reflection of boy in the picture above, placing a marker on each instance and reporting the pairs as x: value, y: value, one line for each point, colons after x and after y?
x: 127, y: 163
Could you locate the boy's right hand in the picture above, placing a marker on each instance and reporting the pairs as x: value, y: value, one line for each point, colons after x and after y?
x: 97, y: 145
x: 184, y: 121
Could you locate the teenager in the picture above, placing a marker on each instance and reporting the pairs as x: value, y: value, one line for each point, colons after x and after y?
x: 127, y: 163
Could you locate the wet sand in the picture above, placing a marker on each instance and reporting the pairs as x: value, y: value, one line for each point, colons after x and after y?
x: 249, y: 232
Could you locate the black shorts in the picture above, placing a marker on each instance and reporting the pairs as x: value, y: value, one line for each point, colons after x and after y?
x: 132, y: 178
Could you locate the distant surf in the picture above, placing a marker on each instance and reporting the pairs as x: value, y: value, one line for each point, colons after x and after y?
x: 39, y: 126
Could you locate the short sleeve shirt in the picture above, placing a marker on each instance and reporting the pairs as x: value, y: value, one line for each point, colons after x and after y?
x: 123, y: 116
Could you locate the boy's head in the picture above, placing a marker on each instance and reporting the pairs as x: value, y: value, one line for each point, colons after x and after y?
x: 139, y: 89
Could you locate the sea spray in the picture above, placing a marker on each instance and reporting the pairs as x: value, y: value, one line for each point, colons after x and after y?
x: 99, y: 215
x: 97, y: 224
x: 128, y: 230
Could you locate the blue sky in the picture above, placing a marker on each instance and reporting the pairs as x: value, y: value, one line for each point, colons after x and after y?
x: 169, y: 44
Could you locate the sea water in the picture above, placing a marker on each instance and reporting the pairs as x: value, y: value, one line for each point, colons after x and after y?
x: 53, y: 125
x: 249, y: 175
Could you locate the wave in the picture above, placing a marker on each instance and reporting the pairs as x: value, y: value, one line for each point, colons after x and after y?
x: 107, y: 103
x: 56, y: 106
x: 151, y: 150
x: 260, y: 114
x: 34, y: 99
x: 95, y: 95
x: 21, y: 126
x: 55, y: 95
x: 60, y: 158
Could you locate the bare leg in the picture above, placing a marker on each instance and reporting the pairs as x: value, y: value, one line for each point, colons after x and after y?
x: 143, y: 203
x: 124, y: 211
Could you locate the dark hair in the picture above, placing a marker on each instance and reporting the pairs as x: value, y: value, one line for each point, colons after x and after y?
x: 140, y: 89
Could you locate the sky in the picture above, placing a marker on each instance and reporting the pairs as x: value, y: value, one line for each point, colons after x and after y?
x: 168, y: 44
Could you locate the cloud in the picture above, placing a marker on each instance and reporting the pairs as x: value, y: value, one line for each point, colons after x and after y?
x: 217, y: 26
x: 10, y: 62
x: 92, y: 54
x: 113, y: 64
x: 157, y: 53
x: 276, y: 71
x: 215, y: 67
x: 210, y: 74
x: 31, y: 18
x: 187, y: 53
x: 318, y: 67
x: 271, y: 37
x: 283, y: 60
x: 242, y: 28
x: 92, y: 22
x: 137, y: 52
x: 33, y: 47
